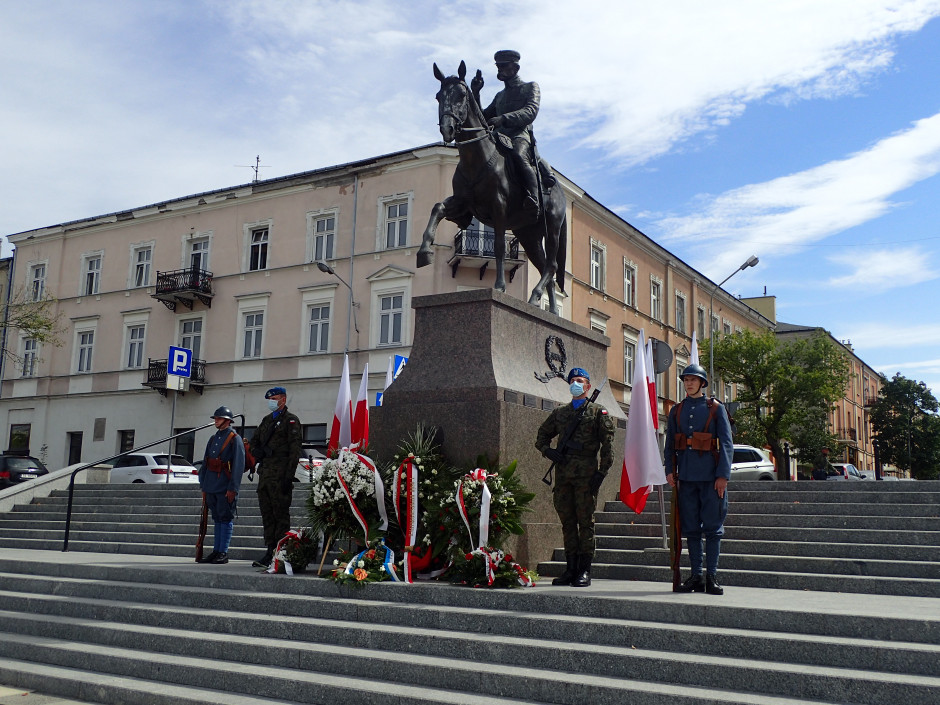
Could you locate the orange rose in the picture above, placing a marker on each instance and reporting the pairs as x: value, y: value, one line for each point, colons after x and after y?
x: 371, y: 554
x: 360, y: 574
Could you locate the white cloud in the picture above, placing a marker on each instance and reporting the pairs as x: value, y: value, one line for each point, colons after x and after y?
x: 890, y: 335
x: 879, y: 270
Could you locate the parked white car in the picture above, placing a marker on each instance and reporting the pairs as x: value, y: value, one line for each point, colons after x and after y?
x: 847, y: 471
x: 151, y: 468
x: 750, y: 463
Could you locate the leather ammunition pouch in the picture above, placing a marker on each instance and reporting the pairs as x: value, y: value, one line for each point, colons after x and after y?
x: 218, y: 466
x: 701, y: 441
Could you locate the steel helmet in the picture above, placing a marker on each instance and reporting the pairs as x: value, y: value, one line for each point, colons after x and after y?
x: 223, y: 412
x: 695, y: 371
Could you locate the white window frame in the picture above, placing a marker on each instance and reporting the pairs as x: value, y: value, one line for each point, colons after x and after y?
x: 726, y: 327
x: 248, y: 231
x: 134, y: 346
x: 715, y: 324
x: 313, y: 219
x: 656, y: 298
x: 680, y: 325
x: 30, y: 356
x: 182, y: 335
x: 629, y: 283
x: 190, y: 242
x: 681, y: 364
x: 629, y: 367
x: 87, y: 259
x: 252, y: 304
x: 135, y: 265
x: 37, y: 284
x: 252, y: 334
x: 390, y: 313
x: 384, y: 202
x: 701, y: 315
x: 598, y: 265
x: 83, y: 363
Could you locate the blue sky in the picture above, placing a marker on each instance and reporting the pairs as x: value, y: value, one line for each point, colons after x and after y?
x: 806, y: 132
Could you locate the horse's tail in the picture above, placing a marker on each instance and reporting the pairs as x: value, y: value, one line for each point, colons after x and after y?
x: 562, y: 253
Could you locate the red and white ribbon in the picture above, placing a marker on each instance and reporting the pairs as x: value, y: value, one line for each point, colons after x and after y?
x: 406, y: 483
x: 379, y: 489
x: 493, y: 559
x: 280, y: 553
x: 484, y: 527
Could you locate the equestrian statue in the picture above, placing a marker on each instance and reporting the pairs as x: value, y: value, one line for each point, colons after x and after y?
x: 500, y: 178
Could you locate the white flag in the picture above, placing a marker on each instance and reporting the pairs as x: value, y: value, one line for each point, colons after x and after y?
x: 693, y: 360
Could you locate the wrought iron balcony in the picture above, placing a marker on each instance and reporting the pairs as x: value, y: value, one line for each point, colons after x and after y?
x: 477, y: 248
x: 184, y: 286
x: 156, y: 375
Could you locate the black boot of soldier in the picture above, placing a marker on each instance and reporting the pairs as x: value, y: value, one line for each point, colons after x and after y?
x: 711, y: 585
x: 583, y: 578
x: 265, y: 560
x: 694, y: 584
x: 566, y: 577
x: 208, y: 559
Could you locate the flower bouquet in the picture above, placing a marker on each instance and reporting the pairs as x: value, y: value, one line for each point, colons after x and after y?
x: 295, y: 551
x: 372, y: 565
x: 490, y: 567
x: 347, y: 498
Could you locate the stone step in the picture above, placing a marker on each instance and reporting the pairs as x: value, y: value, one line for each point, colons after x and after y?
x: 810, y: 508
x: 795, y: 520
x: 788, y: 533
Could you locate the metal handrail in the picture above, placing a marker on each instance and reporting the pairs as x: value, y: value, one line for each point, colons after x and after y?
x: 68, y: 515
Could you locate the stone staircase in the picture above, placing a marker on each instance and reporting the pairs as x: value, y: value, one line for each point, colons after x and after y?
x: 156, y: 520
x: 861, y: 537
x: 104, y: 628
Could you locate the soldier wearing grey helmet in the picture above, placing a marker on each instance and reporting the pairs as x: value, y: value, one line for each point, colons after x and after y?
x: 220, y: 478
x: 699, y: 449
x: 579, y: 474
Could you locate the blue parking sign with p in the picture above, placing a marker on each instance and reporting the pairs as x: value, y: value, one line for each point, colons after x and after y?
x: 180, y: 362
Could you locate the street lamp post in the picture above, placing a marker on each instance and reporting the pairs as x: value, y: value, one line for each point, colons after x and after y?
x: 327, y: 269
x: 751, y: 262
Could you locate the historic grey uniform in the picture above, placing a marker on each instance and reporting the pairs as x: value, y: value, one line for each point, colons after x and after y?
x: 279, y: 437
x: 574, y: 501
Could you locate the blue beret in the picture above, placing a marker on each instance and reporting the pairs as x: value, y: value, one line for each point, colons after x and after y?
x: 578, y: 372
x: 274, y: 391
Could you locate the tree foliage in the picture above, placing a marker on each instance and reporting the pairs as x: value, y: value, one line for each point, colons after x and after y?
x: 37, y: 319
x: 786, y: 389
x: 904, y: 417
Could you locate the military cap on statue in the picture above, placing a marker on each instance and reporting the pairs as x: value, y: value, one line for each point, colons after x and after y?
x: 578, y: 372
x: 274, y: 391
x: 506, y: 56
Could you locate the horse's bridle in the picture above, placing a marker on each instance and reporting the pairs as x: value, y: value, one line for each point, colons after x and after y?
x: 458, y: 125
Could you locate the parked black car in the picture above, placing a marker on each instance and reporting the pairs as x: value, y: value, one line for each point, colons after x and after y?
x: 15, y: 469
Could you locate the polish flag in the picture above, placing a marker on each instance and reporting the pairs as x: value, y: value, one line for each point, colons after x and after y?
x: 360, y: 421
x: 693, y: 358
x: 642, y: 463
x: 651, y: 383
x: 341, y: 430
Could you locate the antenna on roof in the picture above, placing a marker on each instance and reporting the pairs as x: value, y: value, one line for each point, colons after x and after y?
x: 256, y: 166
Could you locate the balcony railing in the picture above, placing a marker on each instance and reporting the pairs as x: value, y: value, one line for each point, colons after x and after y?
x: 477, y: 248
x: 183, y: 286
x: 156, y: 375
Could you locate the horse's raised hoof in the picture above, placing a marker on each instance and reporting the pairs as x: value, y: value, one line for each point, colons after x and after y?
x: 425, y: 257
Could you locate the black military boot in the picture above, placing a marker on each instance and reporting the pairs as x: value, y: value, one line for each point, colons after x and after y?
x: 711, y: 585
x: 219, y: 558
x: 208, y: 559
x: 583, y: 578
x: 566, y: 577
x: 694, y: 584
x: 265, y: 560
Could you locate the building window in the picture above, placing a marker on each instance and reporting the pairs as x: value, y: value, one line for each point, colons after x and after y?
x: 30, y: 357
x: 125, y: 441
x: 199, y: 254
x: 656, y: 299
x: 629, y: 357
x: 258, y: 250
x: 324, y: 230
x: 19, y: 436
x: 254, y: 326
x: 390, y: 319
x: 681, y: 364
x: 92, y: 275
x: 142, y: 259
x: 191, y: 336
x: 700, y: 322
x: 315, y: 434
x: 319, y: 321
x: 629, y: 284
x: 86, y: 344
x: 37, y: 282
x: 396, y: 224
x: 727, y: 387
x: 715, y: 323
x: 135, y: 346
x: 680, y: 313
x: 727, y: 328
x: 597, y: 266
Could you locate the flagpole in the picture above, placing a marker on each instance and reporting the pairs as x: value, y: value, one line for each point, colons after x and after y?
x: 662, y: 515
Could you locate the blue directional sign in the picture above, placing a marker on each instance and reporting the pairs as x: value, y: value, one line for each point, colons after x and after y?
x: 180, y: 362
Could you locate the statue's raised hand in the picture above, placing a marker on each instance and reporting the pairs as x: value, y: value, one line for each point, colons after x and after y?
x: 477, y: 83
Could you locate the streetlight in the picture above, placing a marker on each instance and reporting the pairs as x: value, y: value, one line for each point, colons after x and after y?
x: 327, y: 269
x: 751, y: 262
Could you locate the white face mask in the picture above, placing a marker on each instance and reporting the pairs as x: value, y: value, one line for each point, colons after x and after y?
x: 577, y: 389
x: 272, y: 404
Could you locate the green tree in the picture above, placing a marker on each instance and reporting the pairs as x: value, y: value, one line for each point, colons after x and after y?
x: 786, y: 389
x: 904, y: 417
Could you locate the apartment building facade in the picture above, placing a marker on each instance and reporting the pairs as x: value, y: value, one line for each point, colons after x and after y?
x: 232, y: 275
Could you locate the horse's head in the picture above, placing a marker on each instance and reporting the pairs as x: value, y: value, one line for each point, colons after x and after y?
x: 453, y: 102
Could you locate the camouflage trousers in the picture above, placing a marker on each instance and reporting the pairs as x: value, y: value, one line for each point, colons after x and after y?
x: 275, y: 507
x: 575, y: 506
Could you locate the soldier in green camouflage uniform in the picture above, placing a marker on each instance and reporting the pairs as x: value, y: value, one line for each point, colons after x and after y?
x: 277, y: 446
x: 578, y: 474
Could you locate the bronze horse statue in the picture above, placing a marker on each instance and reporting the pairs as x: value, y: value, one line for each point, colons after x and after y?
x: 484, y: 188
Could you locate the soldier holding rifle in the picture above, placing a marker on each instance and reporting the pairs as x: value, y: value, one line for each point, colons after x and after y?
x: 584, y: 429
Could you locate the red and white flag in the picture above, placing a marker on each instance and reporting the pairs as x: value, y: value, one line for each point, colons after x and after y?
x: 389, y: 374
x: 642, y: 463
x: 693, y: 357
x: 360, y: 421
x: 341, y: 430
